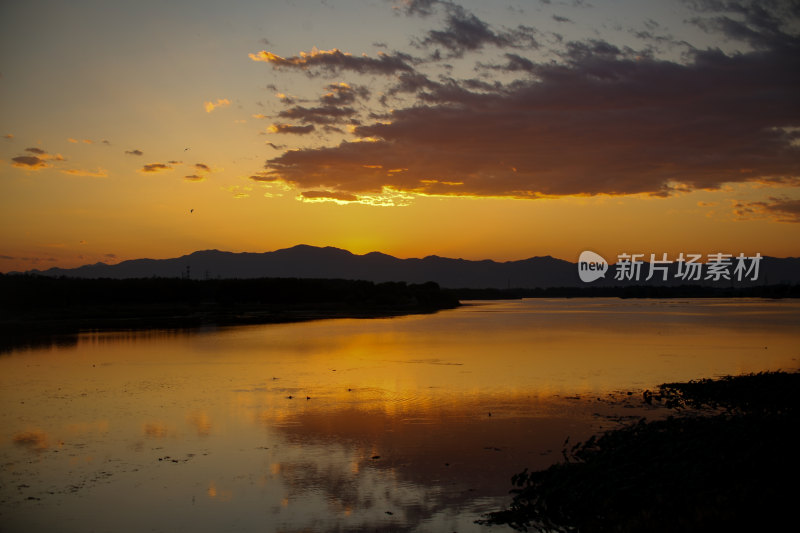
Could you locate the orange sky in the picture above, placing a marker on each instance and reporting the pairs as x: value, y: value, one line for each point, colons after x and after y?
x: 411, y: 128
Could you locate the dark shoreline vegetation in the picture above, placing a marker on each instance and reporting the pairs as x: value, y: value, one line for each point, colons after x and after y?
x: 727, y: 461
x: 35, y: 310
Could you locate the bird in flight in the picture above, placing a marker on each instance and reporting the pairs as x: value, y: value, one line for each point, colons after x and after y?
x: 191, y: 210
x: 186, y: 148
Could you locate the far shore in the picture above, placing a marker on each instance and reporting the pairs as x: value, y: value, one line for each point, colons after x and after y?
x: 33, y: 308
x: 37, y: 328
x: 36, y: 309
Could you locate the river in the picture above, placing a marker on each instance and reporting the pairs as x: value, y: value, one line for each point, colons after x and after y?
x: 411, y: 423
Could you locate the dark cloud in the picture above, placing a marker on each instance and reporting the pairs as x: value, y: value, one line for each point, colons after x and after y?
x: 654, y: 35
x: 780, y: 209
x: 344, y: 94
x: 601, y: 121
x: 465, y: 32
x: 134, y: 152
x: 421, y: 8
x: 445, y: 90
x: 651, y: 24
x: 475, y: 84
x: 263, y: 176
x: 35, y: 162
x: 335, y: 60
x: 412, y: 82
x: 515, y: 63
x: 201, y: 170
x: 7, y: 257
x: 287, y: 100
x: 787, y: 208
x: 558, y: 18
x: 762, y: 24
x: 327, y: 128
x: 592, y: 50
x: 453, y: 91
x: 658, y: 42
x: 155, y: 167
x: 29, y: 162
x: 318, y: 115
x: 289, y: 128
x: 594, y: 118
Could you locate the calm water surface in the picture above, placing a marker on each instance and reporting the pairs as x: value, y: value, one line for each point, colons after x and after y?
x: 401, y: 424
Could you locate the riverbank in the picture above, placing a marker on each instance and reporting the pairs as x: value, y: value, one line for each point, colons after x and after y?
x: 33, y: 308
x: 724, y: 461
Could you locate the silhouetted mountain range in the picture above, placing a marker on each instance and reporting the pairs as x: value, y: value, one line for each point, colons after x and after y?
x: 304, y: 261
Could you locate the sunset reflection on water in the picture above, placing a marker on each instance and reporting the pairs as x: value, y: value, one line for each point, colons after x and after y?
x: 412, y: 423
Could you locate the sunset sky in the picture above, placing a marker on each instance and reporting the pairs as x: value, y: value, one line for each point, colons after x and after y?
x: 500, y: 130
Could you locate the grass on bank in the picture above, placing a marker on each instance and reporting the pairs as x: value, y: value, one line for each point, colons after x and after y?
x: 727, y: 461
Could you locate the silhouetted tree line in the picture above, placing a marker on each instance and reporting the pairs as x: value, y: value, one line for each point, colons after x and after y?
x: 31, y: 292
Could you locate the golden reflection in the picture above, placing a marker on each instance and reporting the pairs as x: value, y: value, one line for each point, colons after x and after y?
x: 35, y: 439
x: 201, y: 422
x: 412, y: 406
x: 221, y: 495
x: 356, y: 417
x: 104, y: 338
x: 275, y: 469
x: 155, y: 430
x: 472, y: 445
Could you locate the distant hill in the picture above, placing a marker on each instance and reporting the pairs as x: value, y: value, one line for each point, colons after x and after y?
x: 304, y: 261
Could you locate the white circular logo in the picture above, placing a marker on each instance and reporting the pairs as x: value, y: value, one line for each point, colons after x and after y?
x: 591, y: 266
